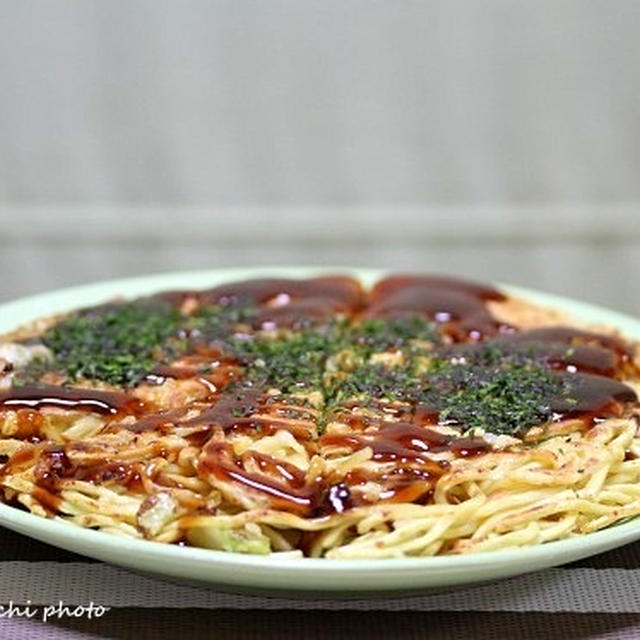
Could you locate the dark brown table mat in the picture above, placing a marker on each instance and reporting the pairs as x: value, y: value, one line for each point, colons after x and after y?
x: 597, y: 597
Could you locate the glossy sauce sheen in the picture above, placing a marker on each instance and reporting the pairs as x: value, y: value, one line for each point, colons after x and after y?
x: 457, y: 305
x: 54, y: 466
x: 283, y: 302
x: 404, y: 448
x: 72, y: 399
x: 595, y: 398
x: 590, y: 361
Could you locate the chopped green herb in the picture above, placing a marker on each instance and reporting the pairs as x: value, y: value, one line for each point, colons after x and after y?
x: 116, y: 344
x: 378, y: 381
x: 120, y: 343
x: 503, y: 399
x: 497, y: 386
x: 300, y: 359
x: 378, y: 334
x: 294, y: 361
x: 482, y: 389
x: 216, y: 322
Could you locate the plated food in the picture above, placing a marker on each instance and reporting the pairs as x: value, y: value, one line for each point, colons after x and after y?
x: 422, y: 416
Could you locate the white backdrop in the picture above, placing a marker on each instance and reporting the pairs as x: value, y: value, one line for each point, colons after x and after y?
x: 319, y: 101
x: 499, y: 138
x: 589, y: 253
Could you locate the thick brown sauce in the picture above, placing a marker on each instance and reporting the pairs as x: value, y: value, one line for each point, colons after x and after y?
x: 214, y: 377
x: 282, y: 302
x: 588, y: 362
x: 408, y: 447
x: 594, y: 398
x: 161, y: 422
x: 285, y: 491
x: 572, y: 336
x: 577, y: 350
x: 54, y: 465
x: 72, y: 399
x: 237, y: 404
x: 459, y: 308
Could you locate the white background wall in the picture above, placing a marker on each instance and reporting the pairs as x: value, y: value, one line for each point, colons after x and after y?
x: 499, y: 139
x: 593, y: 254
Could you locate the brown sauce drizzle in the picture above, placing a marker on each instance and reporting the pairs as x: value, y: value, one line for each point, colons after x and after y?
x: 584, y: 359
x: 593, y: 398
x: 72, y: 399
x: 589, y: 360
x: 286, y: 494
x: 161, y: 372
x: 298, y: 315
x: 392, y: 284
x: 557, y: 356
x: 29, y: 424
x: 408, y: 446
x: 404, y: 442
x: 345, y: 293
x: 469, y: 447
x: 49, y: 501
x: 161, y: 422
x: 53, y: 465
x: 575, y: 349
x: 235, y: 412
x: 121, y: 473
x: 458, y: 306
x: 322, y: 497
x: 281, y: 302
x: 233, y: 406
x: 283, y: 470
x: 20, y: 460
x: 570, y: 335
x: 268, y: 426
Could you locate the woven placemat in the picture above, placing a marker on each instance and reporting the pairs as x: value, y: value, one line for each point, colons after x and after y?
x: 600, y: 595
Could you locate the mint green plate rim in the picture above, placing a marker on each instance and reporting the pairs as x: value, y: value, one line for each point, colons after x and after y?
x: 296, y: 576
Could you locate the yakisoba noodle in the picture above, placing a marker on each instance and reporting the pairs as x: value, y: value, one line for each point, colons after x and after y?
x: 425, y: 416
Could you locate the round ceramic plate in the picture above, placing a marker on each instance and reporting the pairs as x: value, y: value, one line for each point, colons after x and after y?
x: 295, y: 575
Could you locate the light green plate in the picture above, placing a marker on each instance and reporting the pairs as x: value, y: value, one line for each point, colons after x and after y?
x: 301, y: 575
